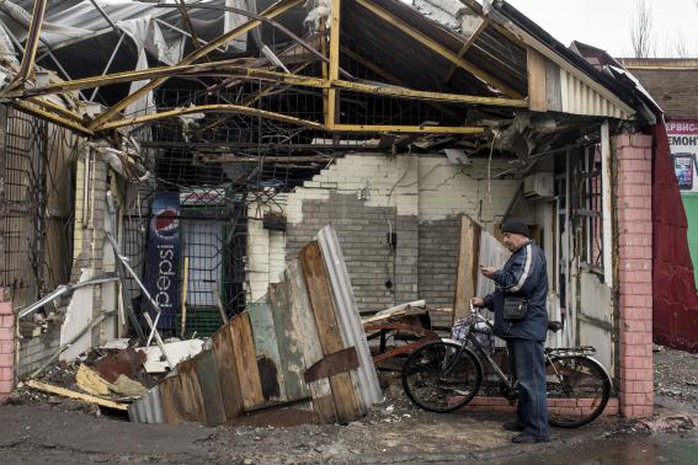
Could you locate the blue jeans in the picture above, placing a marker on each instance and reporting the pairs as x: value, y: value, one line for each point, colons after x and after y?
x: 527, y: 363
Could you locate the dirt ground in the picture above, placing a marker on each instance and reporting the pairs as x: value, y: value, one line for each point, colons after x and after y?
x: 44, y: 429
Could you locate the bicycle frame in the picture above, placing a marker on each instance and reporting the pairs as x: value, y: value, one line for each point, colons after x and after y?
x: 509, y: 383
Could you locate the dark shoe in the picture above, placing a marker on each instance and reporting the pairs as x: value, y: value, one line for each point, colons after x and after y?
x: 524, y: 438
x: 513, y: 426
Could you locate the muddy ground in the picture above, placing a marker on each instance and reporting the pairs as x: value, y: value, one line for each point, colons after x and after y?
x: 43, y: 429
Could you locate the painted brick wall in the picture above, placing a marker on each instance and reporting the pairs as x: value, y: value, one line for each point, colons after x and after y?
x: 634, y: 209
x: 366, y: 196
x: 7, y: 347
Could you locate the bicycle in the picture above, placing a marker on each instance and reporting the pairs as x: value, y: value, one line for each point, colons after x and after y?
x: 445, y: 375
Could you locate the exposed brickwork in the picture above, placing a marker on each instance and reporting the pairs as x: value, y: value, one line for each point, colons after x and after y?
x: 572, y: 406
x: 362, y: 232
x: 634, y: 213
x: 365, y: 196
x: 7, y: 348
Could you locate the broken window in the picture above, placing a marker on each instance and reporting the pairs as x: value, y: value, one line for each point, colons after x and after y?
x: 589, y: 208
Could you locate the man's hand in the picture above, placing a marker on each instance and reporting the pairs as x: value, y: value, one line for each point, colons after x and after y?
x: 488, y: 271
x: 477, y: 302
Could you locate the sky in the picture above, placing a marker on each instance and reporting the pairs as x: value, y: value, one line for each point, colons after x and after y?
x: 606, y: 24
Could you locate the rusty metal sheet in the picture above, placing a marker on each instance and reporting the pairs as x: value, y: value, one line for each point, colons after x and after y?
x: 333, y: 364
x: 124, y: 362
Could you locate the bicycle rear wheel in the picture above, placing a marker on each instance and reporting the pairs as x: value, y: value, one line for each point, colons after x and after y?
x: 578, y: 390
x: 436, y: 379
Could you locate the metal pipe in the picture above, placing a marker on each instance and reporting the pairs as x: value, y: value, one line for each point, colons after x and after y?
x: 111, y: 60
x: 59, y: 291
x: 32, y: 42
x: 146, y: 315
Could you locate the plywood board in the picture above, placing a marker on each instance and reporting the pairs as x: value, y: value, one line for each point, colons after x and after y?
x: 210, y: 388
x: 266, y: 345
x: 227, y: 372
x: 246, y: 361
x: 317, y: 283
x: 289, y: 340
x: 467, y: 266
x: 537, y: 98
x: 304, y: 321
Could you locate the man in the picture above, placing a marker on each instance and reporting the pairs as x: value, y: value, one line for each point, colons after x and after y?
x: 523, y: 275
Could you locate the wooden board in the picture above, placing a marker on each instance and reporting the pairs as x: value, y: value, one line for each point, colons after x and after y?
x: 227, y: 372
x: 190, y: 392
x: 535, y: 63
x: 304, y: 321
x: 289, y: 339
x: 467, y: 266
x: 76, y: 395
x: 246, y: 361
x: 343, y: 394
x: 170, y: 399
x: 210, y: 388
x: 267, y: 347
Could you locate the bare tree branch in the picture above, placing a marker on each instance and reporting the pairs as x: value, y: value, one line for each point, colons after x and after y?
x: 641, y: 30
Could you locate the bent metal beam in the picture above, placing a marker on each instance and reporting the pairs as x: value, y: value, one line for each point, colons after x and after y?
x: 271, y: 12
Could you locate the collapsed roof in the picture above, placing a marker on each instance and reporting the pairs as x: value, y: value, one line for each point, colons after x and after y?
x: 242, y: 77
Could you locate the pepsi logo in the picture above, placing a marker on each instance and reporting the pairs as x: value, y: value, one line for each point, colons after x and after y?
x: 165, y: 224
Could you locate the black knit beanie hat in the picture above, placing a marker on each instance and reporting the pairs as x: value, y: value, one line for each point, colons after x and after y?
x: 515, y: 226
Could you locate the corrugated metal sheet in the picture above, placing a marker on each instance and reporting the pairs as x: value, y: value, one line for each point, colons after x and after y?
x: 365, y: 377
x: 147, y: 409
x: 580, y: 99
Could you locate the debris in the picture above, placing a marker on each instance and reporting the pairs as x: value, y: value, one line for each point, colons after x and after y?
x: 178, y: 351
x: 91, y: 382
x: 117, y: 344
x: 125, y: 386
x: 38, y: 385
x: 124, y: 362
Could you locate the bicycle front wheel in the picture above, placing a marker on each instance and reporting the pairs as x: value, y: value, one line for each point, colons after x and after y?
x: 578, y: 390
x: 436, y: 378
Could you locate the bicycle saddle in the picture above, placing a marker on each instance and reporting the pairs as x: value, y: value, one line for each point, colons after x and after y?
x: 554, y: 326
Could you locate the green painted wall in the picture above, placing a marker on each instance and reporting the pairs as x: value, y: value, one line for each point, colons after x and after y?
x: 690, y: 204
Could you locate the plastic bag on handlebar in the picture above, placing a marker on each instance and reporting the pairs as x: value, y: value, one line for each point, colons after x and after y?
x: 481, y: 331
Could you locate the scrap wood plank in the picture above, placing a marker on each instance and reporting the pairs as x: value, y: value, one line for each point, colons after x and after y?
x: 304, y: 321
x: 172, y: 408
x: 467, y: 264
x: 228, y: 376
x: 210, y: 388
x: 246, y: 361
x: 190, y: 392
x: 289, y: 340
x: 45, y: 387
x: 267, y: 348
x: 343, y: 393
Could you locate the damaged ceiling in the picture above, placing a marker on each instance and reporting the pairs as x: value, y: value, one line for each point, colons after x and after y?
x: 207, y: 83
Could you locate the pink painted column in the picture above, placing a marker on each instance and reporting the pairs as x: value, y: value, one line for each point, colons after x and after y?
x: 634, y: 209
x: 7, y: 347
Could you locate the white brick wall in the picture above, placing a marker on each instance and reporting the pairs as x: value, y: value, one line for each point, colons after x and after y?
x: 429, y: 188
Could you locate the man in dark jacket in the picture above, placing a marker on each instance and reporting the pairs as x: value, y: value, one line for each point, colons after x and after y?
x: 524, y: 275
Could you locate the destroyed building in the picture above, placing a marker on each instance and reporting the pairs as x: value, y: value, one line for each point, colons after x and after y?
x: 194, y: 150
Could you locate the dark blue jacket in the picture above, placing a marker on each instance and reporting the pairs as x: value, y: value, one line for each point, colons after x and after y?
x: 524, y: 274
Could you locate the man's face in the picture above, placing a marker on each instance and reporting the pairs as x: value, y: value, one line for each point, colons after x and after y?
x: 513, y: 241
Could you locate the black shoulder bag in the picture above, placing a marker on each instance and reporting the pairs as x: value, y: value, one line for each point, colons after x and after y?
x: 515, y: 307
